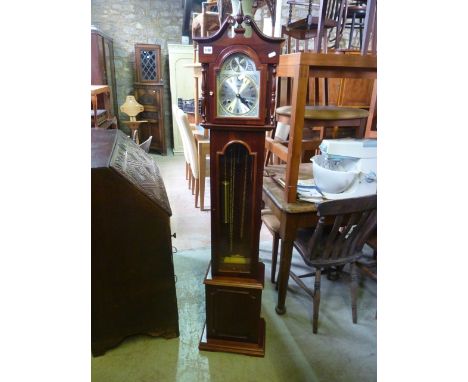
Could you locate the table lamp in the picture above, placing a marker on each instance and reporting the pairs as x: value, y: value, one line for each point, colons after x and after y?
x: 132, y: 108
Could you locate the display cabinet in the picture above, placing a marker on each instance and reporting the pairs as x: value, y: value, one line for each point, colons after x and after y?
x: 149, y: 91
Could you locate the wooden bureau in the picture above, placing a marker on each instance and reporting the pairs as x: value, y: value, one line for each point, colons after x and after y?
x: 132, y: 273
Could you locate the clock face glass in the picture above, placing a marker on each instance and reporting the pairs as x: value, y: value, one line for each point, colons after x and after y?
x: 238, y: 87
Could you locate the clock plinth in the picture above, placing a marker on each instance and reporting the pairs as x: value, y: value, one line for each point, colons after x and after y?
x: 238, y: 91
x: 233, y: 322
x: 252, y: 349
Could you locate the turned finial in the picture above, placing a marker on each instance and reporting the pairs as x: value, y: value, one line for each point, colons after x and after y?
x: 239, y: 19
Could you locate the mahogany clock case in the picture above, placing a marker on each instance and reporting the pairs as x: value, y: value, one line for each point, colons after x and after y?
x: 234, y: 280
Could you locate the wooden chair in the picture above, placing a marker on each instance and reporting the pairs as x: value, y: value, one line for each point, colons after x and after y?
x: 276, y: 145
x: 188, y: 172
x: 330, y: 16
x: 360, y: 15
x: 334, y: 242
x: 356, y: 13
x: 368, y: 265
x: 272, y: 223
x: 188, y: 141
x: 207, y: 22
x: 280, y: 134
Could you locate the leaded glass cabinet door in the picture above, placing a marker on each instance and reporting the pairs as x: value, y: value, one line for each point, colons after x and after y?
x: 148, y: 63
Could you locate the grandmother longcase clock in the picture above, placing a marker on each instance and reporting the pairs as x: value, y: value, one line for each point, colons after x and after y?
x: 238, y: 90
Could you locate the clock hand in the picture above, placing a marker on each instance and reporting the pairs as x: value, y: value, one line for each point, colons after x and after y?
x: 243, y: 100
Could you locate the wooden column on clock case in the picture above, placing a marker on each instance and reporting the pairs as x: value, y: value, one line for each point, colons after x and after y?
x: 237, y: 119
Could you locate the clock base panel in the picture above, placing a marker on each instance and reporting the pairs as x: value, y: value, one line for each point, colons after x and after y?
x: 246, y: 348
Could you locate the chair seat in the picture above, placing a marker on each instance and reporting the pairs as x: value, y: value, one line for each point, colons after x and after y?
x: 326, y: 112
x: 270, y: 221
x: 302, y: 24
x: 359, y: 11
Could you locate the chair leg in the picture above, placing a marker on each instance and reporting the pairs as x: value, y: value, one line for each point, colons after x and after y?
x: 274, y: 256
x: 361, y: 29
x: 201, y: 188
x: 361, y: 129
x: 354, y: 285
x: 197, y: 189
x: 190, y: 178
x: 187, y: 169
x: 316, y: 301
x: 351, y: 32
x: 267, y: 158
x: 193, y: 185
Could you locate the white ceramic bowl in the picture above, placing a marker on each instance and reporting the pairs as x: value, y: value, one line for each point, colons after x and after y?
x: 337, y: 179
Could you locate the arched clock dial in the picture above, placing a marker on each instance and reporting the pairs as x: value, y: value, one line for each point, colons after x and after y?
x: 238, y: 88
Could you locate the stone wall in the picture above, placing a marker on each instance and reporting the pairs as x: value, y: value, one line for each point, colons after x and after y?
x: 139, y: 21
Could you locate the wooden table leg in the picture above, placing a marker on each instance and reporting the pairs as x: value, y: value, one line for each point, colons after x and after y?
x: 94, y: 102
x: 283, y: 275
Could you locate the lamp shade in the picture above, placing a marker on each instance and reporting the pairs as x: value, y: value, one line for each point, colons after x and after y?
x: 131, y: 107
